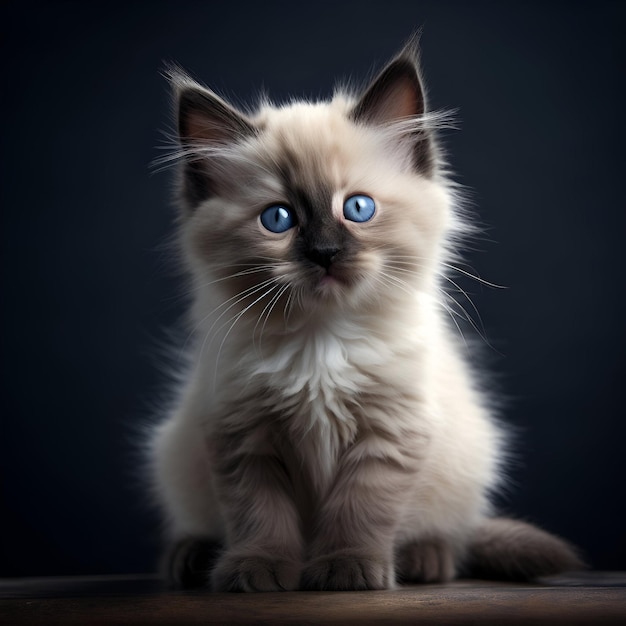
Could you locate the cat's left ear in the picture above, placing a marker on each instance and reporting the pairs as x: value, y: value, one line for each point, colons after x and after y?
x: 395, y: 95
x: 206, y: 124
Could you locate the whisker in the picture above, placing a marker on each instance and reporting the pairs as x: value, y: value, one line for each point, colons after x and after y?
x: 467, y: 297
x: 238, y: 298
x: 470, y: 275
x: 214, y: 310
x: 237, y: 318
x: 193, y: 288
x: 416, y: 259
x: 467, y: 317
x: 451, y: 312
x: 396, y: 265
x: 287, y: 308
x: 400, y: 284
x: 267, y: 311
x: 390, y: 280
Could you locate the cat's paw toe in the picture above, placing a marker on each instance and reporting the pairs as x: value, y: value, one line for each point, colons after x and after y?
x: 189, y: 562
x: 426, y: 561
x: 254, y: 573
x: 346, y: 573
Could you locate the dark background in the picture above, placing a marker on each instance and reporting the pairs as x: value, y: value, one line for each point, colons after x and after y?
x: 87, y: 291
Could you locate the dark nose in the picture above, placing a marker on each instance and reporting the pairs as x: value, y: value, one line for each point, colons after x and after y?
x: 323, y: 256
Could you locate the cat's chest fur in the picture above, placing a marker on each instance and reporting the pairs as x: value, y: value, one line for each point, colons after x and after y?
x: 320, y: 389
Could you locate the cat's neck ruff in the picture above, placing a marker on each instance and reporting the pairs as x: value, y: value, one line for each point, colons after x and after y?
x: 336, y: 351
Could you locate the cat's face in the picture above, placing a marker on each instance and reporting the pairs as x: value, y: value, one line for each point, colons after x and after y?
x: 313, y: 205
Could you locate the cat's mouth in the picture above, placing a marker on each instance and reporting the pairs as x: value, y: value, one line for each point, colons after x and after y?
x: 332, y: 281
x: 329, y: 281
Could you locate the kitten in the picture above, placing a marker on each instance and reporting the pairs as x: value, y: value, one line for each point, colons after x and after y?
x: 329, y: 434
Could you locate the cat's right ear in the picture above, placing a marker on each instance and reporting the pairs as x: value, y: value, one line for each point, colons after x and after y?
x: 205, y: 124
x: 396, y: 95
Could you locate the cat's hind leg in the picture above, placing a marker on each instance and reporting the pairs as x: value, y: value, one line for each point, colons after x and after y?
x: 189, y: 562
x: 182, y: 486
x: 425, y: 561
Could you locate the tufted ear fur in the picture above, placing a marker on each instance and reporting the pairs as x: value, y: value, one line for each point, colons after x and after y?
x: 205, y: 124
x: 396, y: 95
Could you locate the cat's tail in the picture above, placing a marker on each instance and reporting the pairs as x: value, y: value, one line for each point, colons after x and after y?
x: 507, y: 549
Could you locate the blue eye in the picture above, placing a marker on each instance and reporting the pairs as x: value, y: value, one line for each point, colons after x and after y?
x: 359, y: 208
x: 278, y: 218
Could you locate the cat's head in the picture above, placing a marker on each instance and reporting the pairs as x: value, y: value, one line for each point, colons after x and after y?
x: 338, y: 203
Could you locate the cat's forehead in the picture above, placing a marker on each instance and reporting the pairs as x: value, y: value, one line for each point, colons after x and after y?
x: 302, y: 117
x: 310, y: 143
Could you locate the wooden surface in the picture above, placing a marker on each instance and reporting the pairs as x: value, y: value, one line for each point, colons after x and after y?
x: 589, y: 598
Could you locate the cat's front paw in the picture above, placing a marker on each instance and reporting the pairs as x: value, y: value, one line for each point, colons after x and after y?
x: 255, y: 573
x: 347, y: 572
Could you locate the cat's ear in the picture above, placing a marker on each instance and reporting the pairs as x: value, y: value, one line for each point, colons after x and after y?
x: 205, y: 124
x: 397, y: 95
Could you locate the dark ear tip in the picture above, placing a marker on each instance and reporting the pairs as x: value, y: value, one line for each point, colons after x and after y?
x: 396, y: 92
x: 408, y: 59
x: 411, y: 48
x: 404, y: 67
x: 188, y: 97
x: 176, y: 76
x: 204, y: 116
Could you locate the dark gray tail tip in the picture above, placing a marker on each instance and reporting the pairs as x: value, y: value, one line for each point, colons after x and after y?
x: 526, y: 571
x: 507, y: 549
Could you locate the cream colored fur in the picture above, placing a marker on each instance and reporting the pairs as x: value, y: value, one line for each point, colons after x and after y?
x: 329, y: 433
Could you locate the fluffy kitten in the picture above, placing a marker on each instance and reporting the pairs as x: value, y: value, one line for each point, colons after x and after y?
x: 329, y: 434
